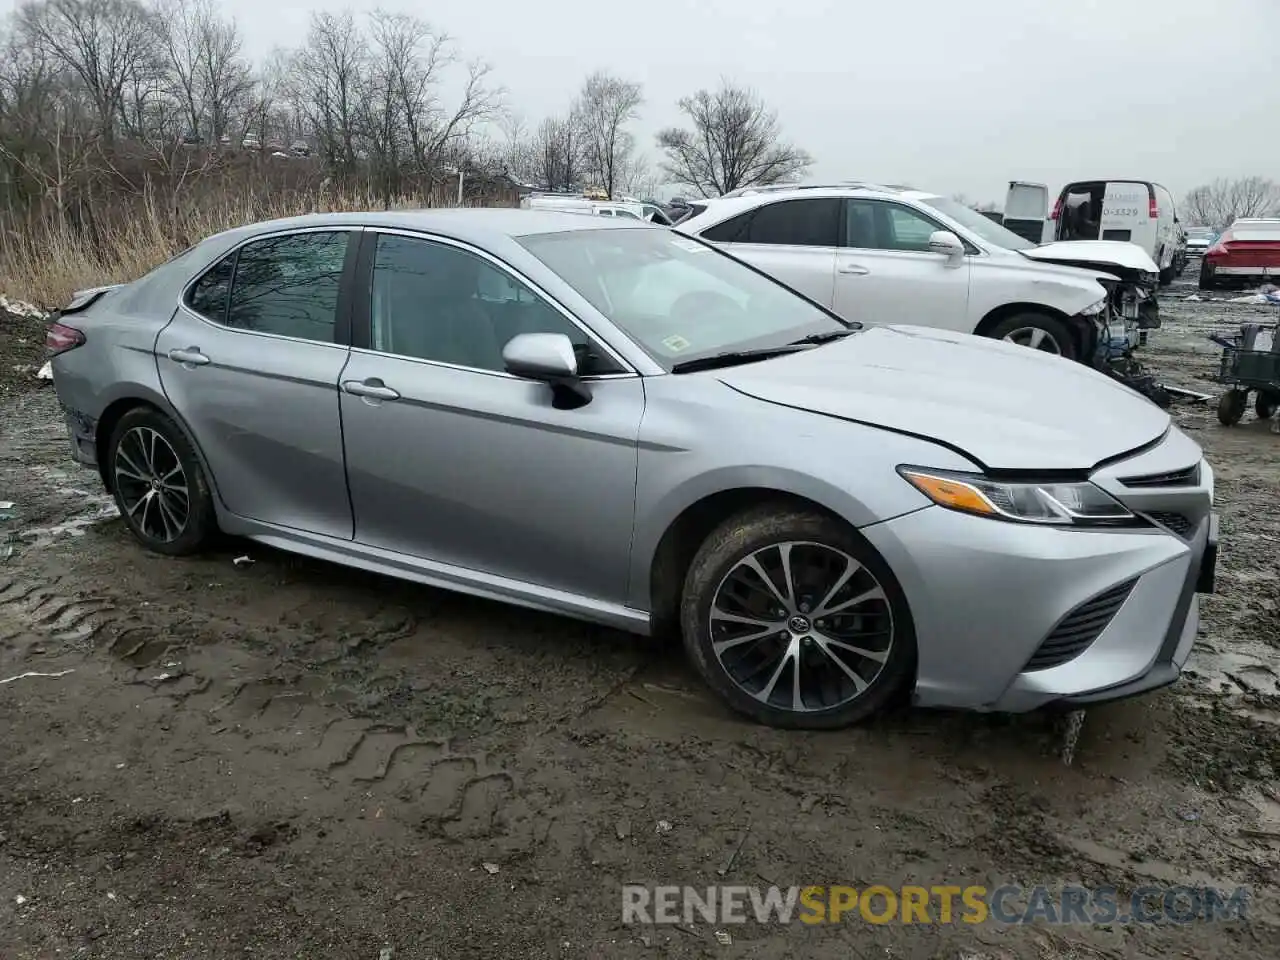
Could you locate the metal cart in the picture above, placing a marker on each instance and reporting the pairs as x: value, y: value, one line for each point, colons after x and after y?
x: 1246, y: 369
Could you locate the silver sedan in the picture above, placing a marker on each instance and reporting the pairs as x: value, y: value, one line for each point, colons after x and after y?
x: 618, y: 423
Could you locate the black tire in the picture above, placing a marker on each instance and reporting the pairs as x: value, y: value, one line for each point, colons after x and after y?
x: 1231, y: 406
x: 1266, y: 404
x: 1068, y: 345
x: 1166, y: 276
x: 201, y: 521
x: 1207, y: 279
x: 757, y: 529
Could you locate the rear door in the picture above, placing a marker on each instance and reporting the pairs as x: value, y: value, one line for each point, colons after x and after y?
x: 792, y: 240
x: 251, y: 362
x: 1026, y: 209
x: 1125, y: 215
x: 886, y: 273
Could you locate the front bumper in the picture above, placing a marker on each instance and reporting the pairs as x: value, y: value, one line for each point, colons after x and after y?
x: 986, y: 595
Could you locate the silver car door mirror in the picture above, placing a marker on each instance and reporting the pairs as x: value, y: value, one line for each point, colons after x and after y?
x: 948, y: 244
x: 548, y: 357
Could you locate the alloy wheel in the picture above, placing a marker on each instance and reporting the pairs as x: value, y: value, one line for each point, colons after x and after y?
x: 801, y: 626
x: 1035, y: 338
x: 152, y: 484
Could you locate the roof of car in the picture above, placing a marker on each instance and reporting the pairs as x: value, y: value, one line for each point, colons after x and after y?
x: 472, y: 224
x: 728, y: 206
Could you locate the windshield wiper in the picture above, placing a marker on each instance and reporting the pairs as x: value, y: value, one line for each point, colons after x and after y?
x: 734, y: 357
x: 825, y: 337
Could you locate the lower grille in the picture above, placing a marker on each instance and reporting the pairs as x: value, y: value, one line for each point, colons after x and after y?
x: 1175, y: 523
x: 1077, y: 631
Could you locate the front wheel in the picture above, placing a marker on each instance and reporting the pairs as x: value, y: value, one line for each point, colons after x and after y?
x: 796, y: 621
x: 1266, y: 404
x: 1231, y: 406
x: 158, y: 483
x: 1039, y: 331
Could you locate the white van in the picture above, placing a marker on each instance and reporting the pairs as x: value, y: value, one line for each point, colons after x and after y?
x: 1137, y: 211
x: 570, y: 204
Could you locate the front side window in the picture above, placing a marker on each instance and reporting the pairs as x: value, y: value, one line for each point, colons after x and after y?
x: 434, y: 301
x: 676, y: 297
x: 907, y: 230
x: 289, y: 285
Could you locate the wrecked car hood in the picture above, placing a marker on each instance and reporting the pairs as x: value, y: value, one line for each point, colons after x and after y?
x: 1099, y: 253
x: 1007, y: 407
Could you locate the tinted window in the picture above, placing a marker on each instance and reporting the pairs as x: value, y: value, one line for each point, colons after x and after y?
x: 437, y: 302
x: 289, y: 285
x: 208, y: 295
x: 797, y: 223
x: 734, y: 230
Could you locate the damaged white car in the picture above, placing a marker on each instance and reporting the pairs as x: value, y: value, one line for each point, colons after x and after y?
x: 884, y: 255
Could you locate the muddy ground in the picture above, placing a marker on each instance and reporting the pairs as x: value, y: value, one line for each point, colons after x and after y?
x: 291, y: 759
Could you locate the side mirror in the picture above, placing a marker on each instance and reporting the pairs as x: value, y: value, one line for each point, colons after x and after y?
x: 948, y: 244
x: 547, y: 357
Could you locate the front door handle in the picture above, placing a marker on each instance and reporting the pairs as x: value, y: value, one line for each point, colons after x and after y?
x: 371, y: 389
x: 855, y: 268
x: 190, y: 357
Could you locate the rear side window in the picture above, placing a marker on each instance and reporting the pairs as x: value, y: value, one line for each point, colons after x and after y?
x: 289, y: 285
x: 797, y: 223
x: 208, y: 296
x: 733, y: 230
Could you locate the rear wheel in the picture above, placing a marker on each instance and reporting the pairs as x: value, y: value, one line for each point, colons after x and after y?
x: 1039, y: 331
x: 1207, y: 279
x: 796, y: 621
x: 1231, y: 406
x: 158, y: 483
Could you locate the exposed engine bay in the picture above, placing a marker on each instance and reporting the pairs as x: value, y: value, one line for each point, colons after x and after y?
x: 1132, y: 280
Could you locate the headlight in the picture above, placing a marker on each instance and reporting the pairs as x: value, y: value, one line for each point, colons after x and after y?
x: 1094, y: 308
x: 1064, y: 504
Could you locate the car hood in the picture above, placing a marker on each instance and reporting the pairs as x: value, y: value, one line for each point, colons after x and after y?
x: 1118, y: 253
x: 1005, y: 407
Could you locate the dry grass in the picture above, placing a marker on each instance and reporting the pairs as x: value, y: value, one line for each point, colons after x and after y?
x: 48, y: 259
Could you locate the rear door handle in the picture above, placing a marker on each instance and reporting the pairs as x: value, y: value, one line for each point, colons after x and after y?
x: 190, y: 357
x: 854, y: 268
x: 371, y: 389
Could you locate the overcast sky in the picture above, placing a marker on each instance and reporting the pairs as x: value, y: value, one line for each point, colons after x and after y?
x: 950, y: 95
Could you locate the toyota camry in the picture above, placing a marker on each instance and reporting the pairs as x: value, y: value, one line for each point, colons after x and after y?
x: 615, y: 422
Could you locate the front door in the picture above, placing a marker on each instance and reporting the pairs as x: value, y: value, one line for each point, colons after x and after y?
x: 251, y: 361
x: 451, y: 459
x: 886, y: 273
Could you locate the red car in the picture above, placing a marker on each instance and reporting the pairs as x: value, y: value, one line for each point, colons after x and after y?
x: 1247, y: 251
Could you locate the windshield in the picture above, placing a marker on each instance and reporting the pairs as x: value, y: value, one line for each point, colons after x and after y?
x: 976, y: 223
x: 678, y: 298
x: 1200, y: 233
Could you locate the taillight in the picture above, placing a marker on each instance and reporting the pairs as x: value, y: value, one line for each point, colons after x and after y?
x: 1057, y: 209
x: 59, y: 338
x: 1153, y: 211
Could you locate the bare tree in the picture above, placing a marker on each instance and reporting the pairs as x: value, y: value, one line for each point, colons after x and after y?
x: 223, y: 74
x: 1222, y: 202
x: 557, y: 154
x: 735, y: 142
x: 105, y: 43
x: 327, y: 79
x: 603, y: 109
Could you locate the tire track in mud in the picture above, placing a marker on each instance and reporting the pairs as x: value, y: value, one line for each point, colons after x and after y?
x: 301, y: 706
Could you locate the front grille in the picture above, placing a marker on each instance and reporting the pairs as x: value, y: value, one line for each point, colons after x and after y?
x: 1077, y: 631
x: 1187, y: 477
x: 1175, y: 523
